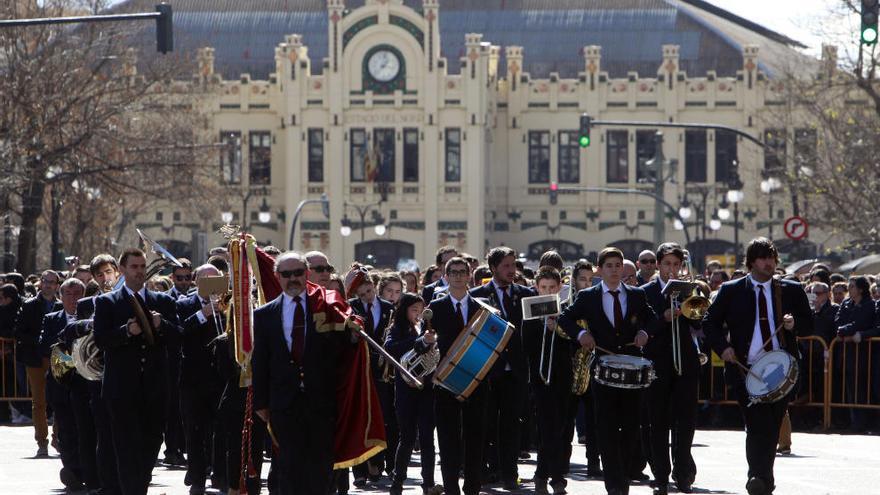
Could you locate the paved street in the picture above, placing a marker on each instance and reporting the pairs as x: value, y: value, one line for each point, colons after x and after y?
x: 820, y: 464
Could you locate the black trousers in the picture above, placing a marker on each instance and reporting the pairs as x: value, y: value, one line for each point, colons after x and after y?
x: 554, y: 423
x: 199, y: 407
x: 460, y: 433
x: 589, y: 427
x: 58, y: 397
x: 506, y: 408
x: 175, y: 438
x: 762, y: 421
x: 415, y: 413
x: 305, y: 455
x: 617, y: 422
x: 85, y: 429
x: 105, y: 449
x: 138, y: 422
x: 232, y: 421
x: 673, y: 408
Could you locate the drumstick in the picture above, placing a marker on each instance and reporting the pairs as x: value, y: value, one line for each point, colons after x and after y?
x: 748, y: 370
x: 606, y: 351
x: 772, y: 335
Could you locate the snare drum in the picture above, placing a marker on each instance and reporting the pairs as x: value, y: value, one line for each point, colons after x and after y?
x: 779, y: 374
x: 624, y: 371
x: 473, y: 353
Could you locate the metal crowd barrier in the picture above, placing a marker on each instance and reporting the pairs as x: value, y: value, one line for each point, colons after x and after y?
x: 9, y: 379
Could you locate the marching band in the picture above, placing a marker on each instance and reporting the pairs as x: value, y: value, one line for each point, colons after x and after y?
x: 275, y: 361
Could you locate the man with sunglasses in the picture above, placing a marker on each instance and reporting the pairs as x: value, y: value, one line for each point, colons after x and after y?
x: 296, y: 363
x: 647, y: 264
x: 175, y: 439
x: 320, y: 269
x: 182, y: 278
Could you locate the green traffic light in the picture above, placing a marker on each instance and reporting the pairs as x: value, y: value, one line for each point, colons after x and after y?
x: 869, y: 35
x: 584, y: 141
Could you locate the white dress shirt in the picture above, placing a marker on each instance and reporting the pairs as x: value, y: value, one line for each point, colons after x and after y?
x: 287, y: 306
x: 756, y: 349
x: 608, y: 301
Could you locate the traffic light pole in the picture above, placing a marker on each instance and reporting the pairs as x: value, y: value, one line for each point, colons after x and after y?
x: 678, y: 125
x: 614, y: 190
x: 325, y: 206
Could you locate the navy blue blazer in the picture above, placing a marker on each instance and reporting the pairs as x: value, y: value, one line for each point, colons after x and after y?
x: 730, y: 319
x: 197, y: 366
x: 514, y: 353
x: 131, y: 366
x: 53, y: 326
x: 444, y: 321
x: 384, y: 317
x: 27, y: 332
x: 852, y: 318
x: 659, y: 348
x: 276, y: 378
x: 588, y: 306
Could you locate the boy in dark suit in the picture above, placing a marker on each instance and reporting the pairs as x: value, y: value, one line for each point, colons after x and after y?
x: 620, y: 320
x: 738, y: 323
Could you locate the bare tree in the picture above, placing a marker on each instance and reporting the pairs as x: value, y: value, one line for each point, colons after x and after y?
x: 81, y: 113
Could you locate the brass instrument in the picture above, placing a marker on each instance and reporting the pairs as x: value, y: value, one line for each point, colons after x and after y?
x: 60, y: 362
x: 387, y: 369
x: 164, y: 259
x: 693, y: 307
x: 87, y: 358
x: 422, y: 365
x: 216, y: 291
x: 581, y: 363
x: 545, y: 377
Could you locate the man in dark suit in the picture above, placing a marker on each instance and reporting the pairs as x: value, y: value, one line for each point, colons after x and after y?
x: 295, y: 375
x: 76, y: 468
x: 443, y: 255
x: 131, y: 325
x: 175, y: 442
x: 376, y: 313
x: 620, y: 320
x: 740, y: 320
x: 92, y: 415
x: 508, y: 380
x: 460, y: 425
x: 672, y: 397
x: 200, y: 384
x: 27, y: 334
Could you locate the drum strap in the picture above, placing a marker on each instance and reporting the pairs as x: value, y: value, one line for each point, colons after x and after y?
x: 777, y: 311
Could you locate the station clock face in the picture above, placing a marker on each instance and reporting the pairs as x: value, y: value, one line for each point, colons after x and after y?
x: 383, y: 65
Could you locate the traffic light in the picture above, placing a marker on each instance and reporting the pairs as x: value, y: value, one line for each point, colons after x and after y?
x: 869, y: 21
x: 584, y: 133
x: 554, y: 193
x: 164, y: 29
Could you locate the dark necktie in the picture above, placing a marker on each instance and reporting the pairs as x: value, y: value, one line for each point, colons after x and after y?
x: 618, y: 310
x: 371, y: 323
x: 298, y: 332
x: 763, y: 318
x: 459, y: 315
x: 505, y: 301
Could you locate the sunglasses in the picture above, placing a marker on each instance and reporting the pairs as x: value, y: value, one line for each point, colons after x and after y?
x: 322, y: 269
x: 458, y: 273
x: 648, y: 261
x: 181, y: 278
x: 299, y: 272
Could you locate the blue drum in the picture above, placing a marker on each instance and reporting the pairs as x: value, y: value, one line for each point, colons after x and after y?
x: 473, y: 353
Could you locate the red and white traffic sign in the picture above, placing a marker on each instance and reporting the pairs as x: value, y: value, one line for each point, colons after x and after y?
x: 796, y: 228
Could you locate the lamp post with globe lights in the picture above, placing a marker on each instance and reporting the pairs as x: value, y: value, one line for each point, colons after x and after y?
x: 264, y: 215
x: 378, y: 219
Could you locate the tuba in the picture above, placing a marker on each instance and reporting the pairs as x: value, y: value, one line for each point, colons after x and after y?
x: 60, y: 362
x: 87, y: 358
x: 421, y: 365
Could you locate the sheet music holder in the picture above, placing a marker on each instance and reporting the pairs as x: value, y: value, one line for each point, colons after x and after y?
x: 677, y: 286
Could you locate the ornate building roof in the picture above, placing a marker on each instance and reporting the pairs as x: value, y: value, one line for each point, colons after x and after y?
x: 551, y: 32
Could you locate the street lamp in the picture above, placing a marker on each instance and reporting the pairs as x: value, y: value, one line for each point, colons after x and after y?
x: 715, y: 223
x: 677, y: 225
x: 226, y: 217
x: 724, y: 209
x: 380, y: 230
x: 264, y: 215
x: 685, y: 210
x: 769, y: 185
x: 345, y: 230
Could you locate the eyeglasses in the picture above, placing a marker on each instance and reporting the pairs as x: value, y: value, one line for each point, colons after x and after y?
x: 322, y: 268
x: 647, y: 261
x: 48, y: 281
x: 458, y: 273
x: 292, y: 273
x: 181, y: 278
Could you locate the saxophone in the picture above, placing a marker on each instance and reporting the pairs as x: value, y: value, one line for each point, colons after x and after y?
x: 580, y: 365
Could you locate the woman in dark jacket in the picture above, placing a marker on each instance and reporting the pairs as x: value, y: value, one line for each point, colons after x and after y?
x: 415, y: 408
x: 856, y: 321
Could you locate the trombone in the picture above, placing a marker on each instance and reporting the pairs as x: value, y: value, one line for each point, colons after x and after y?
x: 546, y: 377
x: 692, y: 308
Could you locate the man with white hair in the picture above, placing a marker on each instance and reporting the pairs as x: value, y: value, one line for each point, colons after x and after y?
x: 200, y: 385
x: 320, y: 268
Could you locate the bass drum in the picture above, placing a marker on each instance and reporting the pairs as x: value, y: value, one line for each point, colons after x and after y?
x: 87, y: 358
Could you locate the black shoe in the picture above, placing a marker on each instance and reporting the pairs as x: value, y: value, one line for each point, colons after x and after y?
x: 197, y: 490
x: 661, y: 490
x: 360, y: 483
x: 511, y: 485
x: 756, y: 486
x: 396, y: 490
x: 594, y: 472
x: 174, y: 459
x: 684, y: 487
x: 70, y: 480
x: 640, y: 476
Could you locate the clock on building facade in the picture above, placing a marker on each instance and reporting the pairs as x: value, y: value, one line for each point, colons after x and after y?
x: 384, y: 70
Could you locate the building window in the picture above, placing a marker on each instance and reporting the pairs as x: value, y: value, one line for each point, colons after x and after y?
x: 805, y: 148
x: 230, y: 157
x: 539, y: 157
x: 383, y: 157
x: 260, y: 155
x: 569, y: 157
x: 774, y: 149
x: 645, y: 149
x: 725, y: 154
x: 695, y: 156
x: 453, y: 155
x: 618, y: 156
x: 316, y: 155
x: 411, y: 155
x: 358, y: 154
